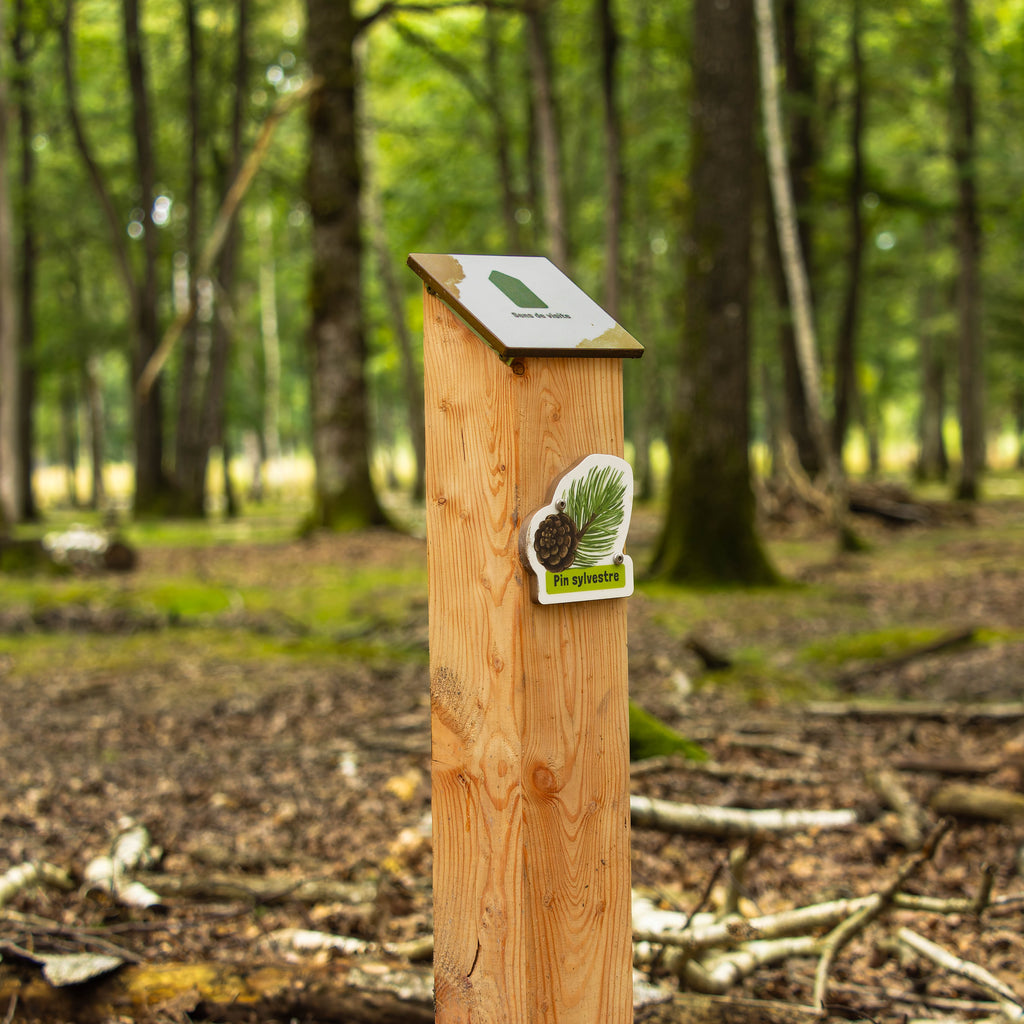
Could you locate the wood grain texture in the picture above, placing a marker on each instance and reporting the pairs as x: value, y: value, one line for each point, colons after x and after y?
x: 530, y: 743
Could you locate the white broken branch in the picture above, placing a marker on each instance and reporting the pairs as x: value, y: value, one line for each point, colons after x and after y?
x: 304, y: 940
x: 716, y: 975
x: 31, y: 872
x: 132, y: 848
x: 1009, y: 1002
x: 667, y: 816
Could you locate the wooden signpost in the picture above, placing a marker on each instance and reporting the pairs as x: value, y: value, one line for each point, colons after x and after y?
x: 528, y: 676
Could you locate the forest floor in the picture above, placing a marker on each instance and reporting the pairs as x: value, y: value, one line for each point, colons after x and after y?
x: 263, y: 710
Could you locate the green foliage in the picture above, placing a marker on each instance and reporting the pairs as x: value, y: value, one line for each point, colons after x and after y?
x: 441, y: 90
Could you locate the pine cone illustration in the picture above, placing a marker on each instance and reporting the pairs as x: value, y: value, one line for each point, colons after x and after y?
x: 556, y: 541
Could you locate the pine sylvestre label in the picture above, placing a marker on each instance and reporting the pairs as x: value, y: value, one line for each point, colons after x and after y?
x: 601, y: 577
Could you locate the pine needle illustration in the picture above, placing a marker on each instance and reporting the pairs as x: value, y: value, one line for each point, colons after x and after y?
x: 584, y: 532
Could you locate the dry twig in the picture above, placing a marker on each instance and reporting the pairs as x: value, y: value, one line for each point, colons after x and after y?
x: 841, y: 935
x: 1010, y: 1003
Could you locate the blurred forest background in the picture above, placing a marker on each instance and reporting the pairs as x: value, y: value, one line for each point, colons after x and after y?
x: 236, y: 187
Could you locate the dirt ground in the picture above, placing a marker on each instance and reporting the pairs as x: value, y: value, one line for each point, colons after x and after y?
x: 291, y: 770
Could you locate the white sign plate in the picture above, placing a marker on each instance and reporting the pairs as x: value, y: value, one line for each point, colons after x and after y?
x: 573, y: 546
x: 524, y: 306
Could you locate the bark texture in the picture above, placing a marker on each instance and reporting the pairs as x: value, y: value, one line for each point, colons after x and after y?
x: 10, y: 376
x: 845, y: 394
x: 968, y: 244
x: 709, y: 532
x: 152, y: 486
x: 344, y: 496
x: 799, y: 85
x: 548, y: 136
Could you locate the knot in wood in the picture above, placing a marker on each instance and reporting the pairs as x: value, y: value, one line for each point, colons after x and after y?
x: 544, y: 779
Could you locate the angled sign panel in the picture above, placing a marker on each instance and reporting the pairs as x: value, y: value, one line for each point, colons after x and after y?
x: 524, y: 306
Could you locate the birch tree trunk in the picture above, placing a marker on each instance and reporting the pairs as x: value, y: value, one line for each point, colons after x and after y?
x: 796, y: 270
x: 795, y: 43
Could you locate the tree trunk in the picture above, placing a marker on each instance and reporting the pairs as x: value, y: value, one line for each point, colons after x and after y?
x: 795, y: 419
x: 932, y: 462
x: 709, y: 532
x: 412, y: 380
x: 803, y: 157
x: 497, y: 91
x: 845, y: 394
x: 189, y: 458
x: 152, y: 487
x: 549, y: 143
x: 29, y: 258
x: 968, y: 243
x: 1018, y: 420
x: 344, y: 497
x: 215, y: 397
x: 271, y: 340
x: 69, y: 437
x: 10, y: 372
x: 613, y: 162
x: 94, y: 403
x: 796, y: 272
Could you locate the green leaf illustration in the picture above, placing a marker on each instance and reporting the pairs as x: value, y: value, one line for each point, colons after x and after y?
x: 519, y: 292
x: 595, y: 503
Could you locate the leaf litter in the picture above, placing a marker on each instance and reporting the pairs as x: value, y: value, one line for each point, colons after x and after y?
x: 289, y: 771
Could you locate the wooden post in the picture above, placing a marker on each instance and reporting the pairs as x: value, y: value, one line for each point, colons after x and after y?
x: 530, y: 735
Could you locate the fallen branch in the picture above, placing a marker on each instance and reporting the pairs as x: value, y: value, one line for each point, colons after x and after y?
x: 717, y: 974
x: 943, y: 711
x: 1010, y: 1003
x: 893, y: 506
x: 946, y: 765
x: 305, y: 941
x: 131, y: 849
x: 32, y: 872
x: 33, y: 928
x: 965, y: 801
x: 909, y: 812
x: 886, y: 998
x: 666, y: 816
x: 960, y: 638
x: 704, y: 1009
x: 363, y: 993
x: 844, y: 932
x: 260, y: 889
x: 729, y: 931
x: 677, y: 762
